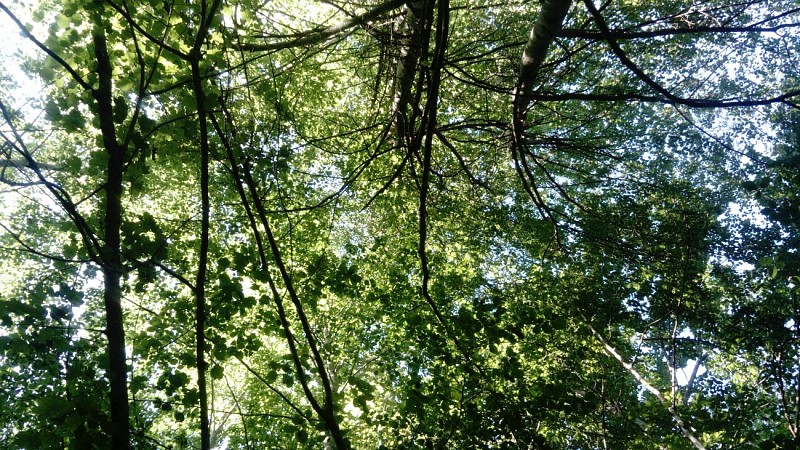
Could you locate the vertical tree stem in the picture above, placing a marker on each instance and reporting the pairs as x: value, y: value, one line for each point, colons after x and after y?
x: 207, y: 14
x: 111, y: 250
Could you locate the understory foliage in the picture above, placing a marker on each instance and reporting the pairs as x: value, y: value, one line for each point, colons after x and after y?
x: 393, y: 224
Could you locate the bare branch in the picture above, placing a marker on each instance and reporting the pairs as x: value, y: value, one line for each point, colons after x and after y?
x: 700, y: 103
x: 628, y: 35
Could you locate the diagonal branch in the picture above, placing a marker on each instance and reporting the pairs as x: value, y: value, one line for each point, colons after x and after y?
x: 700, y: 103
x: 244, y: 178
x: 272, y: 388
x: 161, y: 43
x: 93, y: 246
x: 25, y: 247
x: 75, y: 75
x: 326, y: 412
x: 611, y: 351
x: 240, y: 179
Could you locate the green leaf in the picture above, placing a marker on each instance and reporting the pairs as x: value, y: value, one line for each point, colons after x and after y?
x: 146, y: 124
x: 120, y: 109
x: 52, y: 111
x: 73, y: 121
x: 62, y: 21
x: 216, y: 372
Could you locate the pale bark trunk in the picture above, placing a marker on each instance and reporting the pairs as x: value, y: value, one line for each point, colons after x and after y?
x: 544, y: 31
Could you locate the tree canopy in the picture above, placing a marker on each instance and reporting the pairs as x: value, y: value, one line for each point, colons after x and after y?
x: 400, y: 224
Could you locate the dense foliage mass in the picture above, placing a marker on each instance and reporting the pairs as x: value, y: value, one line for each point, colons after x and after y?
x: 400, y: 224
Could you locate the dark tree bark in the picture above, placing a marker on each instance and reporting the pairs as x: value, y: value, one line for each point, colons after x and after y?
x: 410, y: 32
x: 202, y: 265
x: 195, y: 57
x: 111, y: 251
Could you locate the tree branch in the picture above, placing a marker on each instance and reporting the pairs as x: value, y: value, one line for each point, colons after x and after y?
x: 78, y: 79
x: 161, y: 43
x: 700, y: 103
x: 672, y: 98
x: 685, y: 429
x: 319, y: 35
x: 93, y: 246
x: 628, y: 35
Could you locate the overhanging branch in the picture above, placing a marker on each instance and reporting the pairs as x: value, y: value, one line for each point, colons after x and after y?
x: 319, y: 35
x: 701, y: 103
x: 628, y: 35
x: 75, y: 75
x: 654, y: 85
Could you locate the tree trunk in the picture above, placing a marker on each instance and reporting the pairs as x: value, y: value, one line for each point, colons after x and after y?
x: 111, y: 252
x: 195, y: 56
x: 202, y: 265
x: 548, y: 24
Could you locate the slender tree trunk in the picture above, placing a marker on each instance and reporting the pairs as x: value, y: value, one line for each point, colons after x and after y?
x: 202, y: 265
x: 111, y: 258
x: 207, y: 14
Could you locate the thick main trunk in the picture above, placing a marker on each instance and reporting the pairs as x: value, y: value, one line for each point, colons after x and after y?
x: 111, y: 252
